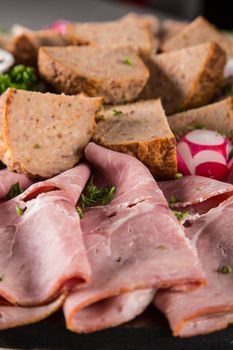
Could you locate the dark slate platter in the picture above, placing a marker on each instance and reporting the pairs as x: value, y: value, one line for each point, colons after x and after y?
x: 147, y: 332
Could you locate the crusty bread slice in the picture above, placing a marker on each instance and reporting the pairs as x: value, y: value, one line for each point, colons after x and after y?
x: 127, y: 31
x: 197, y: 32
x: 44, y: 134
x: 217, y: 116
x: 170, y: 28
x: 141, y: 130
x: 185, y: 78
x: 118, y: 75
x: 150, y: 21
x: 25, y: 46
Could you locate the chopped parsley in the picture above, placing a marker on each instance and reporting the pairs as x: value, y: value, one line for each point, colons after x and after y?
x: 228, y: 90
x: 225, y: 269
x: 172, y: 200
x: 181, y: 109
x: 94, y: 195
x: 180, y: 215
x: 36, y: 146
x: 196, y: 126
x: 117, y: 113
x: 19, y: 77
x: 80, y: 212
x: 14, y: 191
x: 128, y: 60
x: 20, y: 211
x: 178, y: 175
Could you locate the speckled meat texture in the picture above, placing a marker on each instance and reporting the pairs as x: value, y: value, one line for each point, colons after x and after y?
x: 42, y: 254
x: 195, y: 194
x: 7, y: 179
x: 133, y: 243
x: 210, y: 308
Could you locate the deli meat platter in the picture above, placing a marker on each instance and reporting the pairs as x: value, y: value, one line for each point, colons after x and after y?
x: 116, y: 185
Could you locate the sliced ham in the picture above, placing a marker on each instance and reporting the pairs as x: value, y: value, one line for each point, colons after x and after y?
x: 8, y: 178
x: 133, y: 243
x: 210, y: 308
x: 13, y: 316
x: 195, y: 194
x: 42, y: 253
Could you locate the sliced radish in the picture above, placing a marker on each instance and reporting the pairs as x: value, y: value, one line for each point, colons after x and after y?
x: 204, y: 152
x: 228, y: 69
x: 6, y: 60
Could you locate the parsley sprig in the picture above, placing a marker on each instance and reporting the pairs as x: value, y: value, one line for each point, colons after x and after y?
x: 19, y: 77
x: 94, y: 195
x: 14, y: 191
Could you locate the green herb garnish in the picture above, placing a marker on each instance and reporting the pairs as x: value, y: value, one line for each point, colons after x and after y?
x: 181, y: 109
x: 127, y: 60
x: 19, y: 77
x: 180, y: 215
x: 196, y: 126
x: 14, y: 191
x: 172, y: 200
x: 178, y: 175
x: 225, y: 269
x: 94, y: 195
x: 228, y: 90
x: 117, y: 113
x: 80, y: 212
x: 20, y: 211
x: 36, y: 146
x: 230, y: 154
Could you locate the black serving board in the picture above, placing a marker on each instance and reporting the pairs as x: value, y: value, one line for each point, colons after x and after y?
x: 147, y: 332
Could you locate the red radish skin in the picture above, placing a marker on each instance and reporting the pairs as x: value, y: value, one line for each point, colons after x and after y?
x: 60, y: 26
x: 205, y: 153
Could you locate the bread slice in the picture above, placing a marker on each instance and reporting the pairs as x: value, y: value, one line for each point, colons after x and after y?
x: 44, y: 134
x: 217, y: 116
x: 141, y: 130
x: 170, y: 28
x: 118, y: 75
x: 128, y: 31
x: 150, y: 21
x: 185, y: 78
x: 197, y: 32
x: 25, y: 46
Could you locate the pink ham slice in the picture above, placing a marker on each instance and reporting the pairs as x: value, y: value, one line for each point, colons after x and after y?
x: 196, y: 194
x: 42, y: 253
x: 14, y: 316
x: 210, y: 308
x: 133, y: 243
x: 7, y: 179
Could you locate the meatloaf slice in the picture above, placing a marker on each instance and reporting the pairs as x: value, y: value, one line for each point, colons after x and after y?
x: 130, y: 31
x: 217, y: 116
x: 185, y: 78
x: 197, y: 32
x: 25, y: 46
x: 118, y: 75
x: 44, y: 134
x: 141, y: 130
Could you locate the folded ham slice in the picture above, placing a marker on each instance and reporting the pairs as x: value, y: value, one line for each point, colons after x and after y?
x: 210, y: 308
x: 13, y: 316
x: 42, y: 254
x: 133, y: 243
x: 195, y: 194
x: 8, y: 178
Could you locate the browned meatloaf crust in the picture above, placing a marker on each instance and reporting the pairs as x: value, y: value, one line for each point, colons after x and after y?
x: 118, y: 75
x: 185, y: 78
x: 141, y: 130
x: 44, y: 134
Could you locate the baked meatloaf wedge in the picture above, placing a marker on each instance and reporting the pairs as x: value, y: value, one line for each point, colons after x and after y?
x: 197, y: 32
x: 185, y: 78
x: 118, y: 75
x: 42, y: 135
x: 25, y: 46
x: 216, y: 116
x: 141, y: 130
x: 133, y: 31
